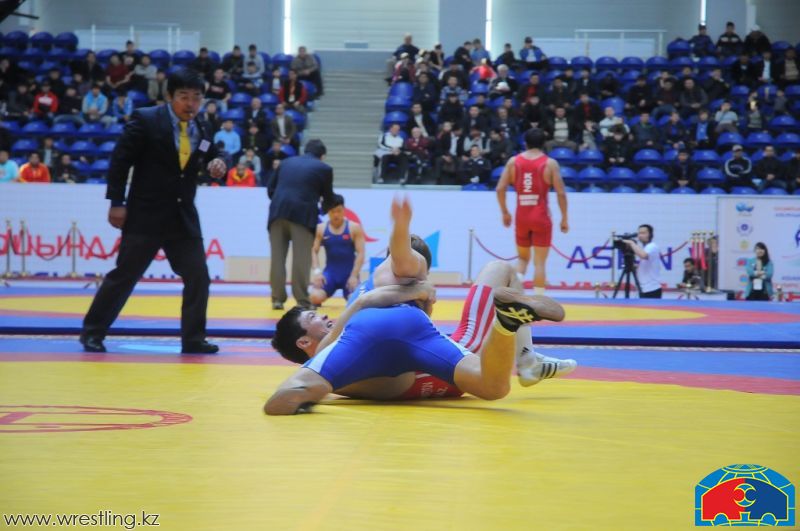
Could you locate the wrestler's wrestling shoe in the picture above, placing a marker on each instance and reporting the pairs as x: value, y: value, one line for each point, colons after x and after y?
x: 515, y: 309
x: 533, y: 367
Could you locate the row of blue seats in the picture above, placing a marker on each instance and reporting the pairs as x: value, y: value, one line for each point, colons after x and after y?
x: 651, y: 157
x: 682, y: 48
x: 652, y: 189
x: 40, y: 129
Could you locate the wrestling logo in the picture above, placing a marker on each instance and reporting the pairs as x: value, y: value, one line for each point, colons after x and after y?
x: 744, y: 209
x: 744, y: 495
x: 744, y: 228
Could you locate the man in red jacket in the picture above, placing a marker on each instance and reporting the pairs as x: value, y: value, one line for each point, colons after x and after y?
x: 45, y: 104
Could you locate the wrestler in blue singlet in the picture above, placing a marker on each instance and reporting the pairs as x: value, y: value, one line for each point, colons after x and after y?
x: 387, y: 342
x: 340, y: 255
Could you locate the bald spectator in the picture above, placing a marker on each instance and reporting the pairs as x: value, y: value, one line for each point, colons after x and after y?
x: 407, y: 48
x: 503, y: 84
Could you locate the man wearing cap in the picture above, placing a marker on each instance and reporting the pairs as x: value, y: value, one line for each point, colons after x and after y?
x: 702, y: 45
x: 738, y: 168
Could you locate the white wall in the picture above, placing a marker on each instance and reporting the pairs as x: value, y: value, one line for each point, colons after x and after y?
x: 779, y: 19
x: 327, y: 24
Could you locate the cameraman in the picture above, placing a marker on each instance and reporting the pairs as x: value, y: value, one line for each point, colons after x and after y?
x: 649, y: 269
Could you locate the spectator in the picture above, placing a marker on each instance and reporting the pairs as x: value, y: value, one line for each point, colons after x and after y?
x: 767, y: 69
x: 702, y: 45
x: 531, y: 88
x: 585, y: 84
x: 20, y: 103
x: 418, y: 148
x: 588, y: 136
x: 692, y: 98
x: 450, y: 149
x: 585, y: 110
x: 407, y: 47
x: 484, y: 71
x: 436, y: 58
x: 251, y: 79
x: 256, y: 114
x: 233, y: 63
x: 34, y: 171
x: 477, y: 120
x: 666, y: 98
x: 451, y: 110
x: 307, y: 69
x: 253, y: 161
x: 254, y: 57
x: 770, y: 170
x: 454, y: 70
x: 273, y: 159
x: 532, y: 56
x: 5, y: 137
x: 793, y: 171
x: 45, y: 104
x: 609, y: 121
x: 276, y: 82
x: 475, y: 138
x: 462, y: 56
x: 390, y: 151
x: 283, y: 127
x: 507, y: 57
x: 231, y: 142
x: 90, y: 69
x: 121, y: 110
x: 210, y: 115
x: 256, y: 139
x: 506, y: 123
x: 479, y: 53
x: 49, y: 155
x: 645, y: 134
x: 726, y: 119
x: 64, y: 171
x: 499, y: 148
x: 157, y: 91
x: 95, y: 105
x: 533, y: 114
x: 69, y: 108
x: 56, y: 83
x: 421, y: 121
x: 759, y: 275
x: 570, y: 81
x: 82, y: 87
x: 639, y: 99
x: 683, y: 171
x: 241, y: 176
x: 743, y: 72
x: 204, y: 64
x: 562, y: 131
x: 755, y: 118
x: 616, y: 148
x: 756, y: 43
x: 608, y: 85
x: 673, y: 133
x: 293, y: 94
x: 729, y: 42
x: 131, y: 54
x: 779, y: 104
x: 716, y: 86
x: 144, y: 75
x: 218, y: 90
x: 453, y: 88
x: 117, y: 74
x: 9, y: 171
x: 9, y: 72
x: 692, y: 278
x: 702, y: 134
x: 404, y: 70
x: 425, y: 93
x: 738, y: 169
x: 558, y: 96
x: 787, y: 71
x: 475, y: 169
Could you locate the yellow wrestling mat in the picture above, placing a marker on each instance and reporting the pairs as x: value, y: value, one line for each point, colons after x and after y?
x: 565, y: 454
x: 231, y: 307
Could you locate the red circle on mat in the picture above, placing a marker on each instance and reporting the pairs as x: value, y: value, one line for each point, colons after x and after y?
x: 50, y: 419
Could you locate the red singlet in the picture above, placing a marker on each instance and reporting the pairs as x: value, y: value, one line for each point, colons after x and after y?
x: 534, y: 228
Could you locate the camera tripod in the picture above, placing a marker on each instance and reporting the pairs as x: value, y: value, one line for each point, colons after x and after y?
x: 628, y: 270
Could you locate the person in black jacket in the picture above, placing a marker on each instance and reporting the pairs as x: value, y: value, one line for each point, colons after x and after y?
x: 167, y: 146
x: 295, y: 190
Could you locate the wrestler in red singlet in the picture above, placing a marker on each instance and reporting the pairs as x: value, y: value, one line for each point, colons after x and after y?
x: 533, y: 225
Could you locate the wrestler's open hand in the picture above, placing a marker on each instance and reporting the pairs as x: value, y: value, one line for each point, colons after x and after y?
x: 401, y: 210
x: 217, y: 168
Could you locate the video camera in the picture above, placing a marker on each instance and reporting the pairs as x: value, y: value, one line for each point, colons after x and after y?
x: 620, y: 245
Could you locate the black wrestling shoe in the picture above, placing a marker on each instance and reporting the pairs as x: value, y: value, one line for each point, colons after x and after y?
x: 92, y: 344
x: 201, y: 347
x: 515, y: 309
x: 277, y: 306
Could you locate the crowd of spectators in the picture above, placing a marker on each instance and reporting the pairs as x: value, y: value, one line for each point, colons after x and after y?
x: 720, y: 115
x: 61, y: 109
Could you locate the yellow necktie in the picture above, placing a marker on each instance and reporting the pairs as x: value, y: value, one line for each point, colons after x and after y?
x: 184, y: 147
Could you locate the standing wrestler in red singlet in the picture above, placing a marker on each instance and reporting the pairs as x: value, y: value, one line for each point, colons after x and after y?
x: 532, y: 174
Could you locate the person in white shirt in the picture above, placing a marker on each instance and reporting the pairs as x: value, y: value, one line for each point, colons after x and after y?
x: 649, y: 270
x: 390, y: 150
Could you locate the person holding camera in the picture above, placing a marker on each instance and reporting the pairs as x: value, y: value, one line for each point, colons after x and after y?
x: 649, y: 269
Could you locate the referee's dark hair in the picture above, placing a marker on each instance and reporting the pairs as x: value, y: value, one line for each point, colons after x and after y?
x: 185, y: 78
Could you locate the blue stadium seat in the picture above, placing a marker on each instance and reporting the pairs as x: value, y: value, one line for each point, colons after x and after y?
x: 112, y: 131
x: 12, y: 126
x: 606, y: 63
x: 83, y: 168
x: 630, y: 76
x: 42, y: 40
x: 766, y: 93
x: 652, y: 189
x: 569, y: 189
x: 728, y: 140
x: 298, y: 117
x: 568, y: 174
x: 160, y: 58
x: 60, y: 145
x: 281, y: 59
x: 623, y: 189
x: 647, y: 157
x: 591, y: 157
x: 64, y: 129
x: 592, y: 174
x: 267, y: 59
x: 239, y: 99
x: 32, y: 55
x: 705, y: 157
x: 651, y: 174
x: 66, y: 40
x: 106, y: 148
x: 100, y: 166
x: 792, y: 92
x: 758, y: 140
x: 183, y: 57
x: 787, y: 141
x: 104, y: 56
x: 405, y: 90
x: 497, y: 173
x: 549, y: 76
x: 83, y: 148
x: 563, y: 155
x: 796, y: 192
x: 17, y: 39
x: 581, y: 62
x: 474, y: 187
x: 669, y: 156
x: 740, y: 92
x: 394, y: 118
x: 783, y: 123
x: 214, y: 56
x: 684, y: 190
x: 24, y: 146
x: 35, y: 129
x: 59, y: 55
x: 478, y: 88
x: 708, y: 63
x: 779, y: 48
x: 90, y: 130
x: 621, y: 174
x: 311, y: 90
x: 742, y: 190
x: 557, y: 62
x: 679, y: 48
x: 269, y: 100
x: 710, y: 176
x: 657, y: 63
x: 138, y: 98
x: 713, y: 190
x: 237, y: 114
x: 616, y: 103
x: 10, y: 52
x: 397, y: 103
x: 80, y: 54
x: 288, y: 150
x: 773, y: 190
x: 593, y: 189
x: 679, y: 63
x: 632, y: 63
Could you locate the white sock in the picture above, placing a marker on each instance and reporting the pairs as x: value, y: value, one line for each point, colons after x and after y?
x: 538, y: 290
x: 521, y: 277
x: 524, y: 339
